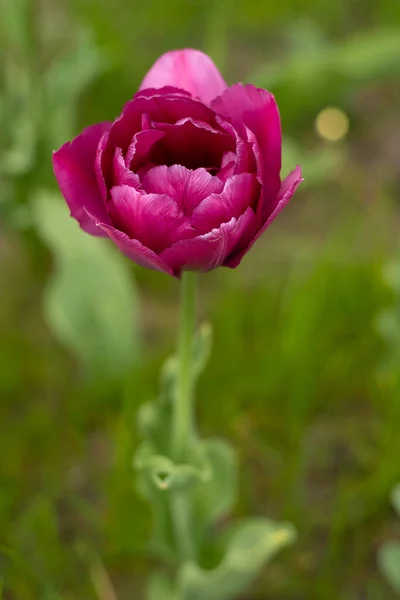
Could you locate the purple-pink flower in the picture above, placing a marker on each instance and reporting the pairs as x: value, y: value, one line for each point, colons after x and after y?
x: 188, y: 176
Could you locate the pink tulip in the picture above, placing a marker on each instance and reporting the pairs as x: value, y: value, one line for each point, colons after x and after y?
x: 188, y: 176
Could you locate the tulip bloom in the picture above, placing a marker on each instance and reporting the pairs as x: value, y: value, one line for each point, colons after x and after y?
x: 188, y: 176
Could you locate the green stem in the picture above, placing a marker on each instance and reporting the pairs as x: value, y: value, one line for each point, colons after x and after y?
x: 182, y: 426
x: 183, y: 408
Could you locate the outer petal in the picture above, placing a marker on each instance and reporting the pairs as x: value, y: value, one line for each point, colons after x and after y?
x: 134, y: 250
x: 188, y: 69
x: 256, y: 109
x: 153, y: 219
x: 240, y: 192
x: 74, y: 168
x: 288, y: 188
x: 208, y: 251
x: 188, y: 188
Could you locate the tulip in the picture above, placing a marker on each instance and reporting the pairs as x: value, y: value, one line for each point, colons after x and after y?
x: 188, y: 176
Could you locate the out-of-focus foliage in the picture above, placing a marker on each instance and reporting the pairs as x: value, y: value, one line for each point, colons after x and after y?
x: 90, y: 303
x: 389, y: 555
x: 209, y: 479
x: 303, y: 377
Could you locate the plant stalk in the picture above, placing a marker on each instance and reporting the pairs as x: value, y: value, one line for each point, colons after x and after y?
x: 182, y: 421
x: 183, y: 409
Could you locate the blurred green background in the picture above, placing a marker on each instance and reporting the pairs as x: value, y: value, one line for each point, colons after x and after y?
x: 304, y: 373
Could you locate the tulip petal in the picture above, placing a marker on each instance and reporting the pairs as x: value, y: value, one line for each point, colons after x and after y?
x: 208, y: 251
x: 134, y: 250
x: 226, y: 170
x: 256, y: 109
x: 153, y: 219
x: 240, y: 192
x: 188, y: 69
x: 123, y: 175
x: 74, y: 168
x: 187, y: 187
x: 139, y: 112
x: 191, y: 143
x: 288, y: 188
x: 245, y: 160
x: 168, y: 108
x: 256, y: 152
x: 140, y: 147
x: 164, y: 90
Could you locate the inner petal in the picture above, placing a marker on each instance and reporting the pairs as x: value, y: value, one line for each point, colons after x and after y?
x: 187, y: 187
x: 192, y: 144
x: 166, y: 105
x: 140, y: 147
x: 240, y: 192
x: 160, y: 105
x: 227, y: 166
x: 122, y: 175
x: 245, y: 160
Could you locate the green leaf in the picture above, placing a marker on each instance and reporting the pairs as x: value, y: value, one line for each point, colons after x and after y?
x: 389, y: 563
x: 250, y: 546
x: 395, y: 497
x: 154, y: 418
x: 90, y: 302
x: 163, y: 472
x: 162, y: 541
x: 215, y: 497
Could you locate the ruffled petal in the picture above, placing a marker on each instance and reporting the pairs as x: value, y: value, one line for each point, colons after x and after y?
x: 123, y: 175
x: 188, y: 188
x: 240, y: 192
x: 248, y: 106
x: 140, y: 147
x: 208, y: 251
x: 226, y: 170
x: 188, y: 69
x: 168, y: 108
x: 288, y: 188
x: 74, y: 168
x: 133, y: 249
x: 163, y: 90
x: 103, y: 171
x: 245, y: 160
x: 138, y: 113
x: 152, y: 219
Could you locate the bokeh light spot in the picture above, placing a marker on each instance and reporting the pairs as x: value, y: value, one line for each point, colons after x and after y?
x: 332, y: 124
